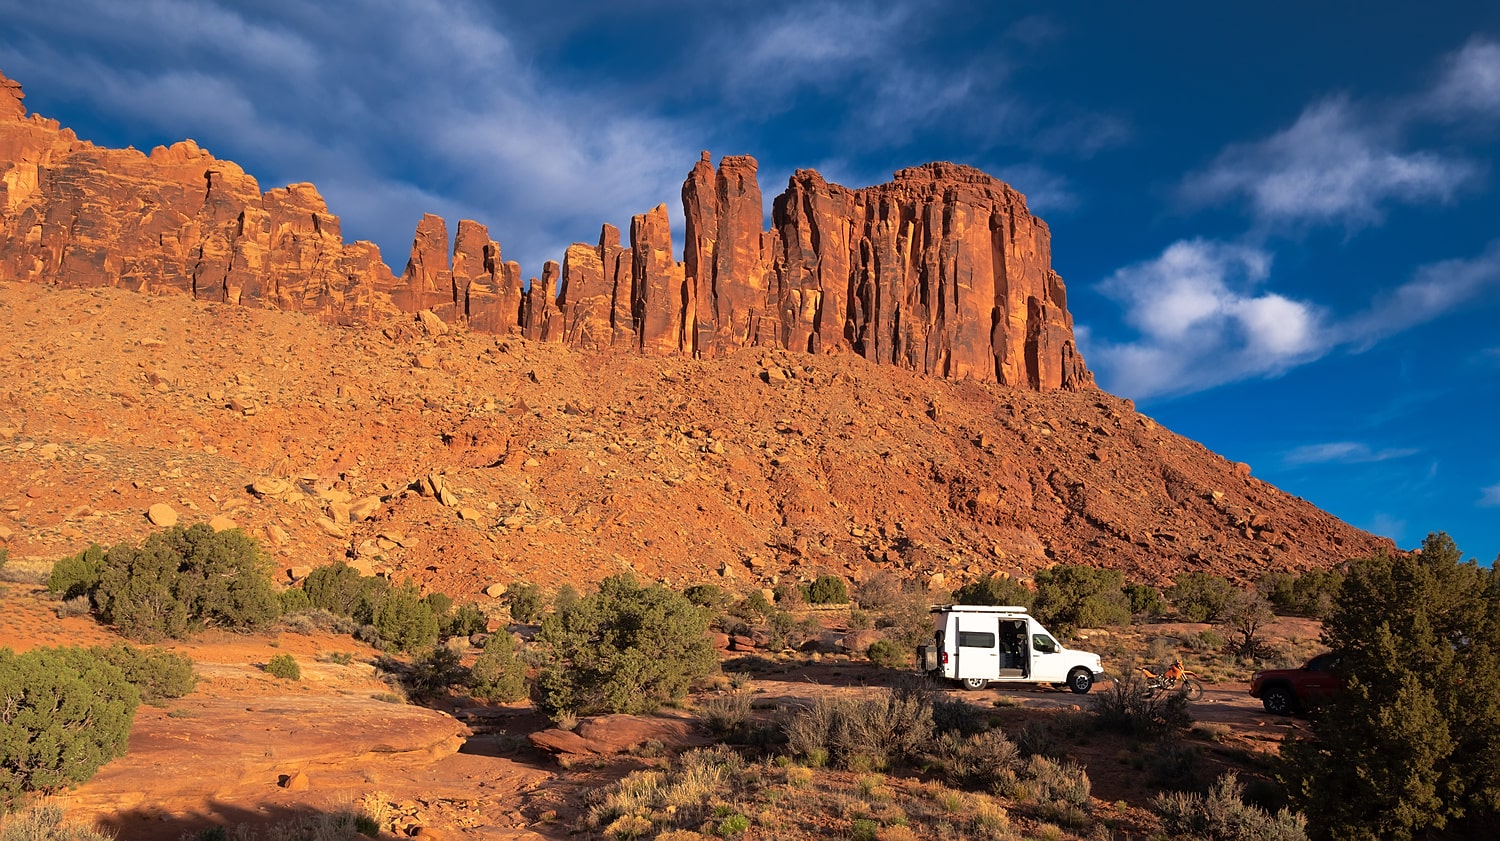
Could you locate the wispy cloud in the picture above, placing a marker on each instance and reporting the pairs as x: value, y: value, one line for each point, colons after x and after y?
x: 1203, y: 319
x: 1433, y: 291
x: 1387, y: 525
x: 1490, y: 496
x: 1344, y: 452
x: 1470, y: 85
x: 1335, y: 165
x: 1047, y: 192
x: 816, y: 45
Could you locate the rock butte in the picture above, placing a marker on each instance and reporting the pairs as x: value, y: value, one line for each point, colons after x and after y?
x: 942, y: 271
x: 606, y: 416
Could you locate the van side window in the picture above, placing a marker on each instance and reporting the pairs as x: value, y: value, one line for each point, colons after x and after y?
x: 975, y: 639
x: 1043, y: 643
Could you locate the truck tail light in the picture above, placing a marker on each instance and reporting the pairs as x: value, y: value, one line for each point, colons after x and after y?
x: 945, y: 658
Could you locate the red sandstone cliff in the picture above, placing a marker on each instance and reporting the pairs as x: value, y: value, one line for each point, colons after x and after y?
x: 178, y: 220
x: 942, y: 271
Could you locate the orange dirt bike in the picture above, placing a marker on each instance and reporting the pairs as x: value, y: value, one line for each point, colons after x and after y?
x: 1174, y: 679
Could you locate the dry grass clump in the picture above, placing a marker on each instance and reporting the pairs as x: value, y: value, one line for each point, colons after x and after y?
x: 683, y: 797
x: 1223, y: 815
x: 975, y: 761
x: 726, y: 715
x: 47, y: 822
x: 1128, y: 707
x: 862, y: 733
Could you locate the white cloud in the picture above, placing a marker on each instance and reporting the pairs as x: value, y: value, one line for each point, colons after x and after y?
x: 1490, y: 495
x: 1202, y: 322
x: 1344, y: 452
x: 391, y: 108
x: 1333, y: 165
x: 1470, y: 85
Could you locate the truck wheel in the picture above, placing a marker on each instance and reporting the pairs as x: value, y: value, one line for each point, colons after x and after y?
x: 1278, y: 700
x: 1080, y: 680
x: 973, y: 683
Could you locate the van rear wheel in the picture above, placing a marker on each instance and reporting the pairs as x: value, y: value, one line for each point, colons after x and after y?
x: 1080, y: 680
x: 973, y: 683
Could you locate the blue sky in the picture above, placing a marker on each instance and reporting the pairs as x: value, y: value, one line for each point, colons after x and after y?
x: 1277, y: 221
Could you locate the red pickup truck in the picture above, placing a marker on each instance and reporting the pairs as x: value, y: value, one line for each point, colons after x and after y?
x: 1286, y: 691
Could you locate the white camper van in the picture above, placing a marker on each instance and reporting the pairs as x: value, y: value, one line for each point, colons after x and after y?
x: 977, y: 645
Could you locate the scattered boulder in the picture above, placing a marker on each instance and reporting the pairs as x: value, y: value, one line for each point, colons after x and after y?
x: 162, y: 514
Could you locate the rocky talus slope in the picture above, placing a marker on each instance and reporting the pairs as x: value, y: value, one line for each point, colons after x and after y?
x: 464, y: 459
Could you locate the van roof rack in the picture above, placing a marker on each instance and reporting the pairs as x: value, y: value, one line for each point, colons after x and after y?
x: 979, y: 608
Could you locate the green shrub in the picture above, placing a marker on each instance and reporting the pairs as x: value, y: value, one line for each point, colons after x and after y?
x: 526, y: 602
x: 64, y: 712
x: 404, y: 619
x: 1410, y: 748
x: 468, y: 620
x: 995, y: 590
x: 566, y: 596
x: 181, y: 579
x: 284, y: 666
x: 340, y: 589
x: 439, y: 604
x: 157, y: 675
x: 732, y: 826
x: 1145, y: 600
x: 1201, y: 596
x: 627, y: 648
x: 886, y: 655
x: 828, y: 589
x: 498, y: 675
x: 1222, y: 815
x: 1310, y: 594
x: 78, y: 575
x: 432, y: 673
x: 783, y: 628
x: 293, y: 600
x: 754, y: 608
x: 47, y: 822
x: 1070, y: 596
x: 708, y: 595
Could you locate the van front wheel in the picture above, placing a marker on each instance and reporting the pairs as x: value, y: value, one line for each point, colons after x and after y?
x: 973, y: 683
x: 1080, y: 680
